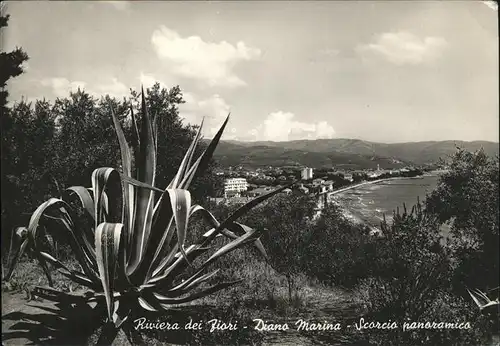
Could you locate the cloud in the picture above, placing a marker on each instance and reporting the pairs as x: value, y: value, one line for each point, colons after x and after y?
x: 121, y: 5
x: 281, y: 126
x: 61, y: 87
x: 403, y: 48
x: 113, y: 89
x: 491, y: 4
x: 148, y: 80
x: 214, y: 109
x: 191, y: 57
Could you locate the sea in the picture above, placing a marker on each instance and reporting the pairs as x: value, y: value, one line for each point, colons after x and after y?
x: 369, y: 203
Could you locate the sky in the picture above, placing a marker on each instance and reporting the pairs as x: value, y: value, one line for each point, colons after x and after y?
x: 379, y: 71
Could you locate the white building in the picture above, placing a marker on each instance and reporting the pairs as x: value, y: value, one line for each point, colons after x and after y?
x: 307, y: 173
x: 235, y: 185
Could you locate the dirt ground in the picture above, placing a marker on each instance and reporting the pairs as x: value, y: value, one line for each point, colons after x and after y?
x: 22, y: 326
x: 23, y: 321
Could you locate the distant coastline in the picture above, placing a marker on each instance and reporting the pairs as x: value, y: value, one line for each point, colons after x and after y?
x: 350, y: 213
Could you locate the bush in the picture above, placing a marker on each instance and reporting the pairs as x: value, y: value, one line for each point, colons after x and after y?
x: 287, y: 219
x: 467, y: 196
x: 411, y: 283
x: 338, y: 252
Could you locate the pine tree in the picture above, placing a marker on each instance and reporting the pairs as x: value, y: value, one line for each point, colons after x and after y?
x: 10, y: 63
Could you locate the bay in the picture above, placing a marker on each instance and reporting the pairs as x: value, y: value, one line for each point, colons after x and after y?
x: 369, y: 203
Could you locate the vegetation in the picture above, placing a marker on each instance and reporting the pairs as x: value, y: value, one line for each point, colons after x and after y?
x: 411, y: 283
x: 139, y: 231
x: 11, y: 66
x: 128, y: 255
x: 467, y: 198
x: 339, y: 253
x: 287, y: 242
x: 52, y: 146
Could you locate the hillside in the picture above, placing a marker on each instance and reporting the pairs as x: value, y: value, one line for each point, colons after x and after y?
x: 340, y: 152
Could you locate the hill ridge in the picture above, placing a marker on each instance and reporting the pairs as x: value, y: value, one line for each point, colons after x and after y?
x: 345, y: 152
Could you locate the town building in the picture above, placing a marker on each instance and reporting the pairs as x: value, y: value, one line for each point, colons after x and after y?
x: 234, y: 186
x: 329, y: 185
x: 307, y: 173
x: 303, y: 189
x: 318, y: 181
x: 259, y: 191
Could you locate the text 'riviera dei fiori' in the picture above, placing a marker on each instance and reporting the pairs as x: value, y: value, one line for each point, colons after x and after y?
x: 214, y: 325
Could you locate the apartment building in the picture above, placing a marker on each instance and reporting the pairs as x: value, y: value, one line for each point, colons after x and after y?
x: 233, y: 186
x: 307, y: 174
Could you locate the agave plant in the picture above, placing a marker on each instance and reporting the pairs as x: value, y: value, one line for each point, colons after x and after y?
x: 134, y: 254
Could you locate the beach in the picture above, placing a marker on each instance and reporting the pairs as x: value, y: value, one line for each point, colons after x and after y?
x: 368, y: 202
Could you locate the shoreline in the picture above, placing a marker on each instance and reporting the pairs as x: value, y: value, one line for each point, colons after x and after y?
x: 376, y: 182
x: 357, y: 219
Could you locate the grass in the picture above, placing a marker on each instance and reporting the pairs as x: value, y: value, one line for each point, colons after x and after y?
x: 29, y: 274
x: 263, y: 294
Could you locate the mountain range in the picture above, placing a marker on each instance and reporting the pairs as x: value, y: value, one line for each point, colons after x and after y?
x: 341, y: 153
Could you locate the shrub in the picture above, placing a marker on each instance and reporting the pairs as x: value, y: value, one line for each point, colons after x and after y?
x: 338, y: 252
x: 288, y: 217
x: 411, y: 283
x: 467, y: 196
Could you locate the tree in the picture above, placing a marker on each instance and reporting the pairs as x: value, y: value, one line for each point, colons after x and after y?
x: 467, y: 198
x: 85, y: 138
x: 27, y: 162
x: 286, y: 218
x: 10, y: 65
x: 338, y: 251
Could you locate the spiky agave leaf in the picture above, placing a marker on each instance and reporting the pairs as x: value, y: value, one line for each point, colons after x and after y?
x: 160, y: 248
x: 165, y: 301
x: 75, y: 238
x: 257, y: 243
x: 73, y: 275
x: 191, y: 283
x: 162, y: 232
x: 186, y: 161
x: 84, y: 196
x: 107, y: 242
x: 195, y: 250
x: 146, y: 171
x: 181, y: 203
x: 179, y: 263
x: 210, y: 218
x: 57, y: 296
x: 203, y: 161
x: 126, y: 157
x: 18, y: 244
x: 246, y: 238
x: 107, y: 180
x: 186, y: 177
x: 121, y: 313
x: 243, y: 210
x: 87, y: 203
x: 135, y: 132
